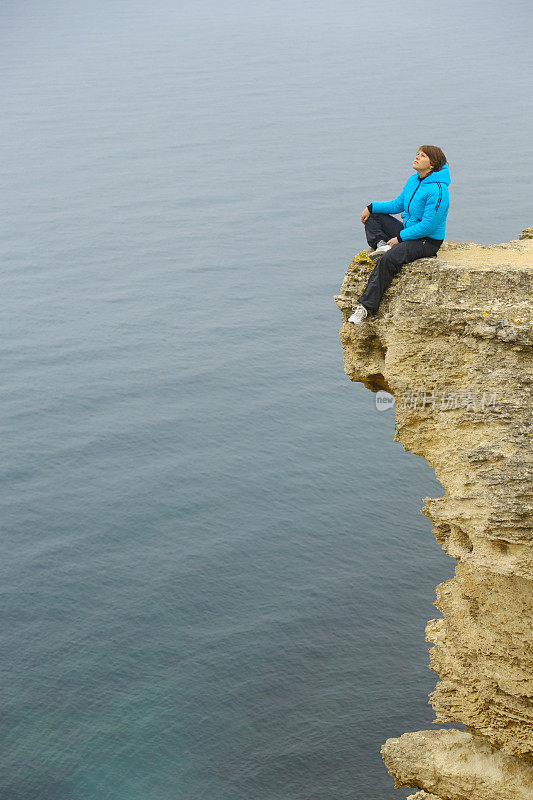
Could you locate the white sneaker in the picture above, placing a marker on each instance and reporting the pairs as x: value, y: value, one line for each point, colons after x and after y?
x: 358, y: 315
x: 380, y: 249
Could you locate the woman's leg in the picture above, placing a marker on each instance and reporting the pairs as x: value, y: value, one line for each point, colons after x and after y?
x: 381, y: 226
x: 390, y: 263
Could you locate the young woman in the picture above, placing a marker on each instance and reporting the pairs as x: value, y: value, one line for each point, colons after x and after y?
x: 424, y: 203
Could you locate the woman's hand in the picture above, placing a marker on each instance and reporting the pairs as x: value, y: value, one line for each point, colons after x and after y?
x: 392, y: 242
x: 365, y: 215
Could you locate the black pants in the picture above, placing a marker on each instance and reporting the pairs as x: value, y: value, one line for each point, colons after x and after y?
x: 385, y: 226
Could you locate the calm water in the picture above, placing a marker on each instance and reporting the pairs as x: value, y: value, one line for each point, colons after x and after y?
x: 214, y: 573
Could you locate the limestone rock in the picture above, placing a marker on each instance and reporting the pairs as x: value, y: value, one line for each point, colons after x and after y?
x: 423, y: 796
x: 452, y: 343
x: 457, y: 766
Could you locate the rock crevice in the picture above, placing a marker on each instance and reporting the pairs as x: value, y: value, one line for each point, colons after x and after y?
x: 452, y: 343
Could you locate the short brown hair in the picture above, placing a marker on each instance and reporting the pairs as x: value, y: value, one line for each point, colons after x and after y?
x: 435, y: 155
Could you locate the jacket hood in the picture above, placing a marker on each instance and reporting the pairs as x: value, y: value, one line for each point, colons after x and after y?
x: 442, y: 176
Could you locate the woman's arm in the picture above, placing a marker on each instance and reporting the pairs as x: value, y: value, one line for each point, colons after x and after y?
x: 389, y: 206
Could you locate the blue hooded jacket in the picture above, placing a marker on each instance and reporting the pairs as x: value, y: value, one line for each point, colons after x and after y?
x: 424, y: 203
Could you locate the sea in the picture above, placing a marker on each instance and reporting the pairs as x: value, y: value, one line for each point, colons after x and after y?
x: 214, y: 572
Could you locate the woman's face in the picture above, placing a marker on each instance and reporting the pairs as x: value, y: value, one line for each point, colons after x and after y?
x: 421, y: 162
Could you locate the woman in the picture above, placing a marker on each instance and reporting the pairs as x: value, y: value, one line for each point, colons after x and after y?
x: 424, y: 202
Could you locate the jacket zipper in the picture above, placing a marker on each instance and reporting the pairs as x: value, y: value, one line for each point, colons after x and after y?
x: 415, y: 191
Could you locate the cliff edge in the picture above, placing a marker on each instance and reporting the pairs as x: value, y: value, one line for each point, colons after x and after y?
x: 452, y: 343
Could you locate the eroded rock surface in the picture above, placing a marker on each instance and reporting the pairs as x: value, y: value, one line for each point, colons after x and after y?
x: 423, y: 796
x: 452, y: 343
x: 455, y: 764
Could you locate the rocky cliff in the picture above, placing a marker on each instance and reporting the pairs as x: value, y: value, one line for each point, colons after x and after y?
x: 452, y: 343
